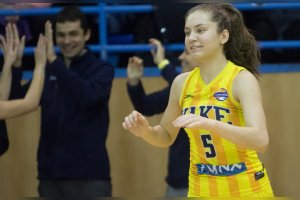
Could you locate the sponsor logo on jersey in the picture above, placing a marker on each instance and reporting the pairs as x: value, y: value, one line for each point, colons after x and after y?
x: 221, y: 95
x: 188, y: 96
x: 221, y: 170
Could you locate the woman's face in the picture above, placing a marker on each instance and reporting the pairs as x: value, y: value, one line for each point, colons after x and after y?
x: 201, y: 36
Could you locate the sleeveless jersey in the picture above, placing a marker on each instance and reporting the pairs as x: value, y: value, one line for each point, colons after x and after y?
x: 218, y: 167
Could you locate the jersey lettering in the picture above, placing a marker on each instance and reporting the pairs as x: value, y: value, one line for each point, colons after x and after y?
x: 218, y: 112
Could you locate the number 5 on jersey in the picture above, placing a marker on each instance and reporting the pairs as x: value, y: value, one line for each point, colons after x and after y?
x: 210, y: 151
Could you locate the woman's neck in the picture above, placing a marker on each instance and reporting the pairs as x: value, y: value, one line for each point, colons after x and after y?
x: 211, y: 68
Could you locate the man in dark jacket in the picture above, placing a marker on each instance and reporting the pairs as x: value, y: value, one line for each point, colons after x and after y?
x: 155, y: 103
x: 72, y: 158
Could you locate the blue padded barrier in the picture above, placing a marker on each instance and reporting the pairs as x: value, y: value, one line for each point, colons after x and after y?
x: 153, y: 71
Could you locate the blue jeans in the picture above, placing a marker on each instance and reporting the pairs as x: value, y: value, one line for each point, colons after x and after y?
x: 74, y: 189
x: 173, y: 192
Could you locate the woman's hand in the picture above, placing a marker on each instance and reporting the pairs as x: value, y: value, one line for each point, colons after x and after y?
x: 136, y: 123
x: 191, y: 121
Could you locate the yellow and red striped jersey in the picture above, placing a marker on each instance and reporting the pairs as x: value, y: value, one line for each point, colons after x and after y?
x: 218, y: 167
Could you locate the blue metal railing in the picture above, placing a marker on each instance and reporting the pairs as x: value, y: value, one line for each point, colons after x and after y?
x: 292, y: 44
x: 266, y: 6
x: 86, y: 9
x: 103, y: 9
x: 139, y: 8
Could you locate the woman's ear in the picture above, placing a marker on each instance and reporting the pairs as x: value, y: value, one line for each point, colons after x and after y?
x: 224, y: 36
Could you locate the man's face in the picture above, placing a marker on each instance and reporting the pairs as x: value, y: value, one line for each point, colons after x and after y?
x: 71, y: 38
x: 187, y: 63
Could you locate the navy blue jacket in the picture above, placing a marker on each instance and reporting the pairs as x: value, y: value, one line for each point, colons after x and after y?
x: 155, y: 103
x: 74, y: 118
x: 4, y: 142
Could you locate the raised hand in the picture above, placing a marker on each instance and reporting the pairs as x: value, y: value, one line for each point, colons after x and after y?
x: 40, y: 52
x: 10, y: 53
x: 19, y: 44
x: 158, y: 53
x: 7, y: 46
x: 136, y: 123
x: 135, y: 70
x: 50, y: 52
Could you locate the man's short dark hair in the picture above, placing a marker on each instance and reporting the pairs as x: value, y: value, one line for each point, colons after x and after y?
x: 72, y: 14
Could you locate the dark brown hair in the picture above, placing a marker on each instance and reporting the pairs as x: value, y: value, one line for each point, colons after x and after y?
x: 72, y: 14
x: 241, y: 47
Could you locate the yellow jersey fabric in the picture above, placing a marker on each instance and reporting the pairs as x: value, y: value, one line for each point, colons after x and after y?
x: 218, y: 167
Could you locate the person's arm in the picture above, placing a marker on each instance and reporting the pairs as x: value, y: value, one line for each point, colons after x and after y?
x: 254, y: 135
x: 169, y: 73
x: 5, y: 82
x: 17, y: 91
x: 30, y: 102
x: 164, y: 134
x: 151, y: 104
x: 148, y: 104
x: 9, y: 51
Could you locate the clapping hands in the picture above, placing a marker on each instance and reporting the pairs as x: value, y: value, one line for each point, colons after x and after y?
x: 9, y: 45
x: 40, y: 52
x: 135, y: 70
x: 50, y: 52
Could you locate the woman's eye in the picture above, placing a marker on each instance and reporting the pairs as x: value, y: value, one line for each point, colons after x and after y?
x: 187, y: 33
x: 199, y: 30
